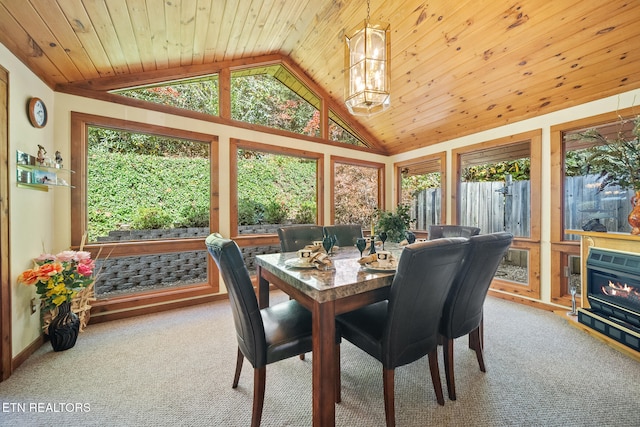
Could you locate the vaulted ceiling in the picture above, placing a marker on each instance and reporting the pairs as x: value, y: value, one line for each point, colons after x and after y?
x: 458, y: 67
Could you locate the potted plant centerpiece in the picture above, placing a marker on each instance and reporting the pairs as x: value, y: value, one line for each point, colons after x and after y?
x: 394, y: 224
x: 617, y: 161
x: 58, y: 279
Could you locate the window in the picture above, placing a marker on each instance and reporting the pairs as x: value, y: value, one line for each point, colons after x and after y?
x: 339, y: 131
x: 420, y: 186
x: 356, y: 191
x: 143, y: 203
x: 494, y: 192
x: 199, y: 94
x: 576, y: 199
x: 142, y: 186
x: 271, y: 96
x: 273, y: 187
x: 584, y: 199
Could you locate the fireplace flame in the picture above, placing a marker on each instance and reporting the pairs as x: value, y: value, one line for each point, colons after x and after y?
x: 617, y: 289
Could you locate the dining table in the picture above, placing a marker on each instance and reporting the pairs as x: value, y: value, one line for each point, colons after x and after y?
x: 345, y: 286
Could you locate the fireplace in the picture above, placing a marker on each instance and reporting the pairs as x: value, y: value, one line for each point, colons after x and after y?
x: 613, y: 292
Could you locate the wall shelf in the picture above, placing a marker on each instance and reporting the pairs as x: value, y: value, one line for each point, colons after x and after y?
x: 30, y: 174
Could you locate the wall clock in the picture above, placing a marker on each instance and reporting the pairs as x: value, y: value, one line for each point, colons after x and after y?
x: 37, y: 112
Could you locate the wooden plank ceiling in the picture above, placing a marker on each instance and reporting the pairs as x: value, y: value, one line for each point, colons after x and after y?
x: 458, y: 67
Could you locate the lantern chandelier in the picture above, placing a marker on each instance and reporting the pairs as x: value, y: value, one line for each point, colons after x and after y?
x: 367, y: 55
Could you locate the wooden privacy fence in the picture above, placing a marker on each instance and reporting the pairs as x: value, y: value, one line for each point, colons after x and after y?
x: 493, y: 208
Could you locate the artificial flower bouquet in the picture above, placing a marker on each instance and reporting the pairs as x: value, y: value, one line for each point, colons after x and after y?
x: 59, y: 278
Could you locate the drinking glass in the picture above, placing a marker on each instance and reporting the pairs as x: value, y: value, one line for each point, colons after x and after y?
x: 411, y: 238
x: 383, y: 237
x: 327, y: 244
x: 361, y: 243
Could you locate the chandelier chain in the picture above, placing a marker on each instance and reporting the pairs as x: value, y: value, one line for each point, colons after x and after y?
x: 368, y: 10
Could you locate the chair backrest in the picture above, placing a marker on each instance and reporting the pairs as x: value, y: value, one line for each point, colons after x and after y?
x: 418, y: 292
x: 345, y: 233
x: 463, y: 308
x: 440, y: 231
x: 298, y: 236
x: 244, y: 304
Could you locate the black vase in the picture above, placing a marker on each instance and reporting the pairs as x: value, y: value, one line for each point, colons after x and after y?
x: 64, y: 328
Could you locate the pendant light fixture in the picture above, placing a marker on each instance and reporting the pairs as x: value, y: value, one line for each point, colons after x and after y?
x: 367, y: 74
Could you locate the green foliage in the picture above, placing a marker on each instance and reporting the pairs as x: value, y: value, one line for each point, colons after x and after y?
x: 394, y: 224
x: 264, y: 178
x: 195, y: 215
x: 275, y: 212
x: 118, y: 183
x: 151, y: 218
x: 250, y: 212
x: 198, y: 95
x: 616, y: 161
x: 414, y: 184
x: 306, y: 213
x: 263, y: 100
x: 519, y: 170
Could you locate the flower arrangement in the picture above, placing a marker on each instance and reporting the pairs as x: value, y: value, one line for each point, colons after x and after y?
x: 58, y: 278
x: 395, y: 225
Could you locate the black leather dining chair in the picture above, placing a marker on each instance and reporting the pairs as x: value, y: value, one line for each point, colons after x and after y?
x: 462, y: 313
x: 440, y: 231
x: 264, y: 335
x: 346, y: 234
x: 404, y: 328
x: 298, y: 236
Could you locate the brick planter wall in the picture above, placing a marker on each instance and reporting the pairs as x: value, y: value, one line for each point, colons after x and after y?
x: 140, y: 273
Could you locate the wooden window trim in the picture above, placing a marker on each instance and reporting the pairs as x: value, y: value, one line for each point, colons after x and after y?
x: 129, y: 305
x: 530, y: 244
x: 236, y: 144
x: 381, y: 167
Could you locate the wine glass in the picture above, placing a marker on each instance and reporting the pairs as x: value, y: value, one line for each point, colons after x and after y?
x: 327, y: 244
x: 411, y: 238
x: 383, y: 237
x: 361, y: 244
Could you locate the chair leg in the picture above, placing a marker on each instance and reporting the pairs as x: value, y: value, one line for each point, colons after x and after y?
x: 475, y: 342
x: 389, y: 403
x: 239, y: 361
x: 435, y: 375
x: 338, y: 381
x: 447, y: 350
x: 259, y: 380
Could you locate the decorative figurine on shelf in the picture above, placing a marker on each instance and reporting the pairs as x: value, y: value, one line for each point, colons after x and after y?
x: 41, y: 153
x: 59, y: 159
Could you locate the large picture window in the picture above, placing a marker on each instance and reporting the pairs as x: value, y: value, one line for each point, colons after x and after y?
x: 498, y: 189
x: 273, y: 187
x: 143, y: 202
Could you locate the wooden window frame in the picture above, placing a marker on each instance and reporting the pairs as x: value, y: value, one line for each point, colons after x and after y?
x: 234, y: 145
x: 381, y: 167
x: 143, y: 302
x: 440, y: 157
x: 530, y: 244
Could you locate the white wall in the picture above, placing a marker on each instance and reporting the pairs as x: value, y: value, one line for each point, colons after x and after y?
x: 32, y: 214
x: 41, y: 221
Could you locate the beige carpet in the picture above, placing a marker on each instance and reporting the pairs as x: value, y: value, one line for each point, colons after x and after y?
x: 175, y: 369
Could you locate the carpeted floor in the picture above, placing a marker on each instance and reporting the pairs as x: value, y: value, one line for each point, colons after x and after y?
x: 175, y: 368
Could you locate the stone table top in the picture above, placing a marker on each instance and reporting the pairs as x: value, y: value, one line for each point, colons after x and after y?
x: 346, y: 278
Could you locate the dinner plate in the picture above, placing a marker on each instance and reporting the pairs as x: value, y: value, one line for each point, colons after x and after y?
x: 381, y: 269
x: 298, y: 263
